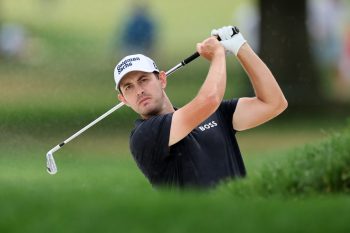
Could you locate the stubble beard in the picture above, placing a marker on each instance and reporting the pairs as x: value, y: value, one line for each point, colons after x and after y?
x: 154, y: 110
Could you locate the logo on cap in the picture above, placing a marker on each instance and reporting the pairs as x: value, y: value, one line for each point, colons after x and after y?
x: 155, y: 66
x: 126, y: 63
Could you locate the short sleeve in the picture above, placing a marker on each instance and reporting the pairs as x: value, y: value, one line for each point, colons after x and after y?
x: 227, y: 108
x: 149, y: 141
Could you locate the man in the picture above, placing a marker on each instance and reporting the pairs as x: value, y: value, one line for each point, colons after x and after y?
x: 140, y: 30
x: 195, y: 145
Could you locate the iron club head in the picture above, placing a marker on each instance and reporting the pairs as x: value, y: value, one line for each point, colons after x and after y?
x: 50, y: 163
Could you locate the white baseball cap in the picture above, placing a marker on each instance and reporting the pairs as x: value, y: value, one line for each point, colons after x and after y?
x: 136, y: 62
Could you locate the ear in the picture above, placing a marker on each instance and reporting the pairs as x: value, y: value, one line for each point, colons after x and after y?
x: 162, y: 78
x: 122, y: 99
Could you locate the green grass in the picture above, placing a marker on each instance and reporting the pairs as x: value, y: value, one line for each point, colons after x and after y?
x: 99, y: 188
x: 320, y: 168
x: 100, y: 19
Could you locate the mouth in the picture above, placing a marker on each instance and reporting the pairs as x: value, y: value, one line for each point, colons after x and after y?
x: 143, y: 100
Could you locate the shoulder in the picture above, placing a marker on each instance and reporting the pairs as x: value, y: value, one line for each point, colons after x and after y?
x: 149, y: 141
x: 151, y: 130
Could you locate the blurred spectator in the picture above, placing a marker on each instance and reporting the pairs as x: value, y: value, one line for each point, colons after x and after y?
x: 139, y: 31
x: 343, y: 82
x: 324, y: 23
x: 328, y: 26
x: 12, y: 41
x: 345, y: 57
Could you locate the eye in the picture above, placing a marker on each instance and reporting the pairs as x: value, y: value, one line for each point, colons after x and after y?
x: 127, y: 87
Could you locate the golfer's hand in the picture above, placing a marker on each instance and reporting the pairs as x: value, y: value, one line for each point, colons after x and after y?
x: 231, y: 38
x: 210, y: 48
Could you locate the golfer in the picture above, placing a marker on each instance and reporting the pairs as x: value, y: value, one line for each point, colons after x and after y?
x: 195, y: 146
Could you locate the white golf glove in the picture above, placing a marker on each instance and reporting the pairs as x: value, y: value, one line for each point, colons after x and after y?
x: 231, y: 38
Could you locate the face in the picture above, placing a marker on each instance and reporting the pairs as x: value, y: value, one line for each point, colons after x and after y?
x: 143, y: 92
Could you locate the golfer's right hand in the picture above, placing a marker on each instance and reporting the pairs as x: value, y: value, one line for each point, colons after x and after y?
x: 210, y: 48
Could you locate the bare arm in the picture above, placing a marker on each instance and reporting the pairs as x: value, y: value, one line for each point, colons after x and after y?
x: 209, y: 96
x: 269, y: 100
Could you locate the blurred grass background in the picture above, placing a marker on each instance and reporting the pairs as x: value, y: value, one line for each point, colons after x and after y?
x: 64, y: 80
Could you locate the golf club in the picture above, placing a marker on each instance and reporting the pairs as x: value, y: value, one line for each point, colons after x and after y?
x: 51, y: 165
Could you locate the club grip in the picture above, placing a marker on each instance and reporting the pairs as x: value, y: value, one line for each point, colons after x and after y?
x: 194, y: 56
x: 190, y: 58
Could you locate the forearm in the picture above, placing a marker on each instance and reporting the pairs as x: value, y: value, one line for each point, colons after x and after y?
x: 269, y: 100
x: 265, y: 85
x: 215, y: 83
x: 208, y: 98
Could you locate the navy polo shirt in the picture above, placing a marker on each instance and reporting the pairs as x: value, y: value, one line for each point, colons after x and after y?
x: 206, y: 156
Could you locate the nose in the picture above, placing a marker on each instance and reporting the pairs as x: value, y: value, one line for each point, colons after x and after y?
x: 139, y: 90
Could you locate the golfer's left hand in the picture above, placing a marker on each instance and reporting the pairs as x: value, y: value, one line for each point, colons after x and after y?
x: 231, y: 38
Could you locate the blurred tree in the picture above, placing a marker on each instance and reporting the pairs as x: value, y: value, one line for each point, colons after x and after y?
x: 285, y: 47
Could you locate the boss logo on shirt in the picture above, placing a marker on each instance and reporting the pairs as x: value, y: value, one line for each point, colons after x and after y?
x: 207, y: 126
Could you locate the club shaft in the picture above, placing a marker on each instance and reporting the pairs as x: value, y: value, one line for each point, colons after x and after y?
x: 169, y: 72
x: 93, y: 123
